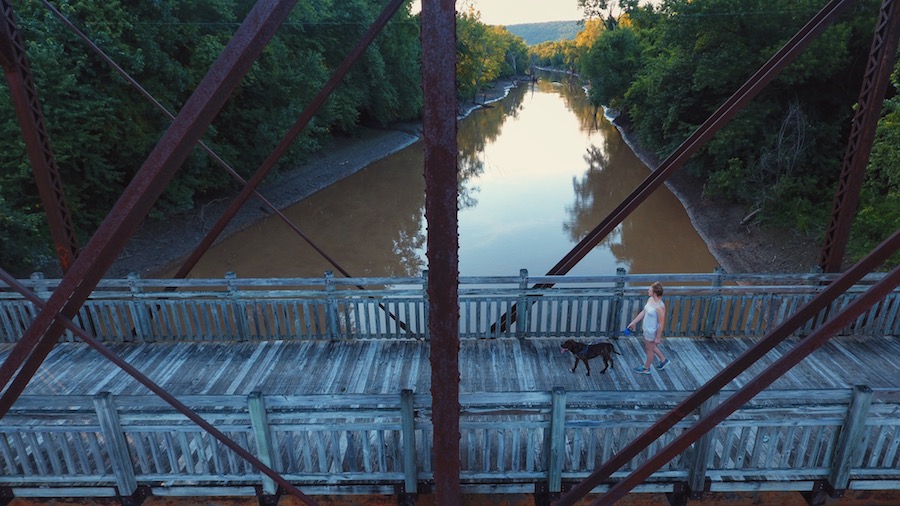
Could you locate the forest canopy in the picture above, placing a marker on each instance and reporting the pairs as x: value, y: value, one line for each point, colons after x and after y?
x: 667, y: 68
x: 101, y: 128
x: 664, y: 68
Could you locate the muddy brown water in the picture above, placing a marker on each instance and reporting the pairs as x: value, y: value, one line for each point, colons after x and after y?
x: 538, y: 170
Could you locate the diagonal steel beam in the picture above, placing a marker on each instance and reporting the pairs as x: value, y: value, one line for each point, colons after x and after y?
x: 37, y: 141
x: 821, y: 302
x: 179, y: 139
x: 759, y: 80
x: 208, y: 150
x: 791, y: 358
x: 305, y: 117
x: 875, y: 83
x: 158, y: 390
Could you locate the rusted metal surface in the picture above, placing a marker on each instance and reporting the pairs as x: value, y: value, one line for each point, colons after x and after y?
x: 439, y: 124
x: 158, y: 390
x: 740, y: 364
x: 208, y: 150
x: 37, y: 140
x: 791, y: 358
x: 283, y: 145
x: 862, y: 134
x: 759, y: 80
x: 137, y: 199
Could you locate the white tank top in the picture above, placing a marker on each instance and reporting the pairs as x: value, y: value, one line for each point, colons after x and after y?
x: 651, y: 318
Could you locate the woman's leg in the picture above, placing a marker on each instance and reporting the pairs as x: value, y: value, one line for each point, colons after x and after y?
x: 648, y: 347
x: 658, y: 352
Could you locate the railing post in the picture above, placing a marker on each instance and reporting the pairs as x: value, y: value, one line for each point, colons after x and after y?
x: 557, y: 452
x: 715, y: 303
x: 40, y: 285
x: 408, y: 428
x: 331, y: 314
x: 40, y: 288
x: 820, y: 318
x: 240, y: 315
x: 522, y: 309
x: 848, y: 447
x: 426, y: 327
x: 264, y: 448
x: 119, y: 456
x: 700, y: 456
x: 141, y: 322
x: 614, y: 322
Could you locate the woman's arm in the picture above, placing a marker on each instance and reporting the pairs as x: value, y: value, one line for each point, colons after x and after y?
x: 639, y: 317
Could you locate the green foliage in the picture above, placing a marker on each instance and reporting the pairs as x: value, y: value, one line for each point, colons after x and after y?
x: 612, y: 61
x: 669, y: 70
x: 879, y: 207
x: 484, y: 53
x: 101, y: 129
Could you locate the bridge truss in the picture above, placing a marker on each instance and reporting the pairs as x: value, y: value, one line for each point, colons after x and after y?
x: 85, y: 267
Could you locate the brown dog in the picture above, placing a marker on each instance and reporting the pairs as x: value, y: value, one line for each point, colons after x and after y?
x: 585, y: 352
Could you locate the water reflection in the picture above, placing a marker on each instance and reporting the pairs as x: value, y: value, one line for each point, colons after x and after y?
x: 473, y: 134
x: 538, y: 171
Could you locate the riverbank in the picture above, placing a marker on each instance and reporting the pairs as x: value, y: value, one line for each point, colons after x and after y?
x: 738, y: 243
x: 159, y: 245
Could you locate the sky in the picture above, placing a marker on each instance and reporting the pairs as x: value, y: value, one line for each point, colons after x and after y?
x: 514, y: 12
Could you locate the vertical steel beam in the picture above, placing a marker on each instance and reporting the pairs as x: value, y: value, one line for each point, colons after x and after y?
x: 37, y: 140
x: 441, y: 183
x: 305, y: 117
x: 734, y: 369
x: 173, y: 148
x: 862, y: 134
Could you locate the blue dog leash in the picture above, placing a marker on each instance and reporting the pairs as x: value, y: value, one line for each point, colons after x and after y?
x: 587, y: 347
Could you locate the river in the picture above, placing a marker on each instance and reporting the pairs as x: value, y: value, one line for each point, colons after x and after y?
x: 538, y: 170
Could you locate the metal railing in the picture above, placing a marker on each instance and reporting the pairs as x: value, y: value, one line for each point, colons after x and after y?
x: 232, y: 309
x: 53, y: 446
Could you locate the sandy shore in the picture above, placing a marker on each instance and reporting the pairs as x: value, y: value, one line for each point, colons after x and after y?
x: 737, y: 247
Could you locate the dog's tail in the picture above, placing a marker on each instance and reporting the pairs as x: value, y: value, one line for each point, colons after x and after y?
x: 616, y: 352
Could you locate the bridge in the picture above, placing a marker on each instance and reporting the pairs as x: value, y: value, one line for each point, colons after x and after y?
x: 826, y: 427
x: 327, y: 380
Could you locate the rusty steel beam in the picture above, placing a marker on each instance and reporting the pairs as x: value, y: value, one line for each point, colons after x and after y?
x: 759, y: 80
x: 305, y: 116
x: 37, y: 140
x: 158, y: 390
x: 875, y: 83
x: 139, y: 196
x: 749, y: 357
x: 441, y: 183
x: 208, y: 150
x: 782, y: 365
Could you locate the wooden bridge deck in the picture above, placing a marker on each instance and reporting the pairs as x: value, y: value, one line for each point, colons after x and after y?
x: 387, y: 367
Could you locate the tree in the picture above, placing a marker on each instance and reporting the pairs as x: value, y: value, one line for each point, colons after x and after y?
x: 100, y: 128
x: 878, y: 213
x: 611, y: 65
x: 484, y: 53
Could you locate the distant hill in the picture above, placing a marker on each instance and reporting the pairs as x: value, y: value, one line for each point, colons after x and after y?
x: 535, y: 33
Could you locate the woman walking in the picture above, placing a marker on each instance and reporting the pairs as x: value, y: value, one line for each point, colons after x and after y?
x: 654, y: 317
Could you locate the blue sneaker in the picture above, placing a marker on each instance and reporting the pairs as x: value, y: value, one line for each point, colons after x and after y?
x: 642, y: 370
x: 662, y: 365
